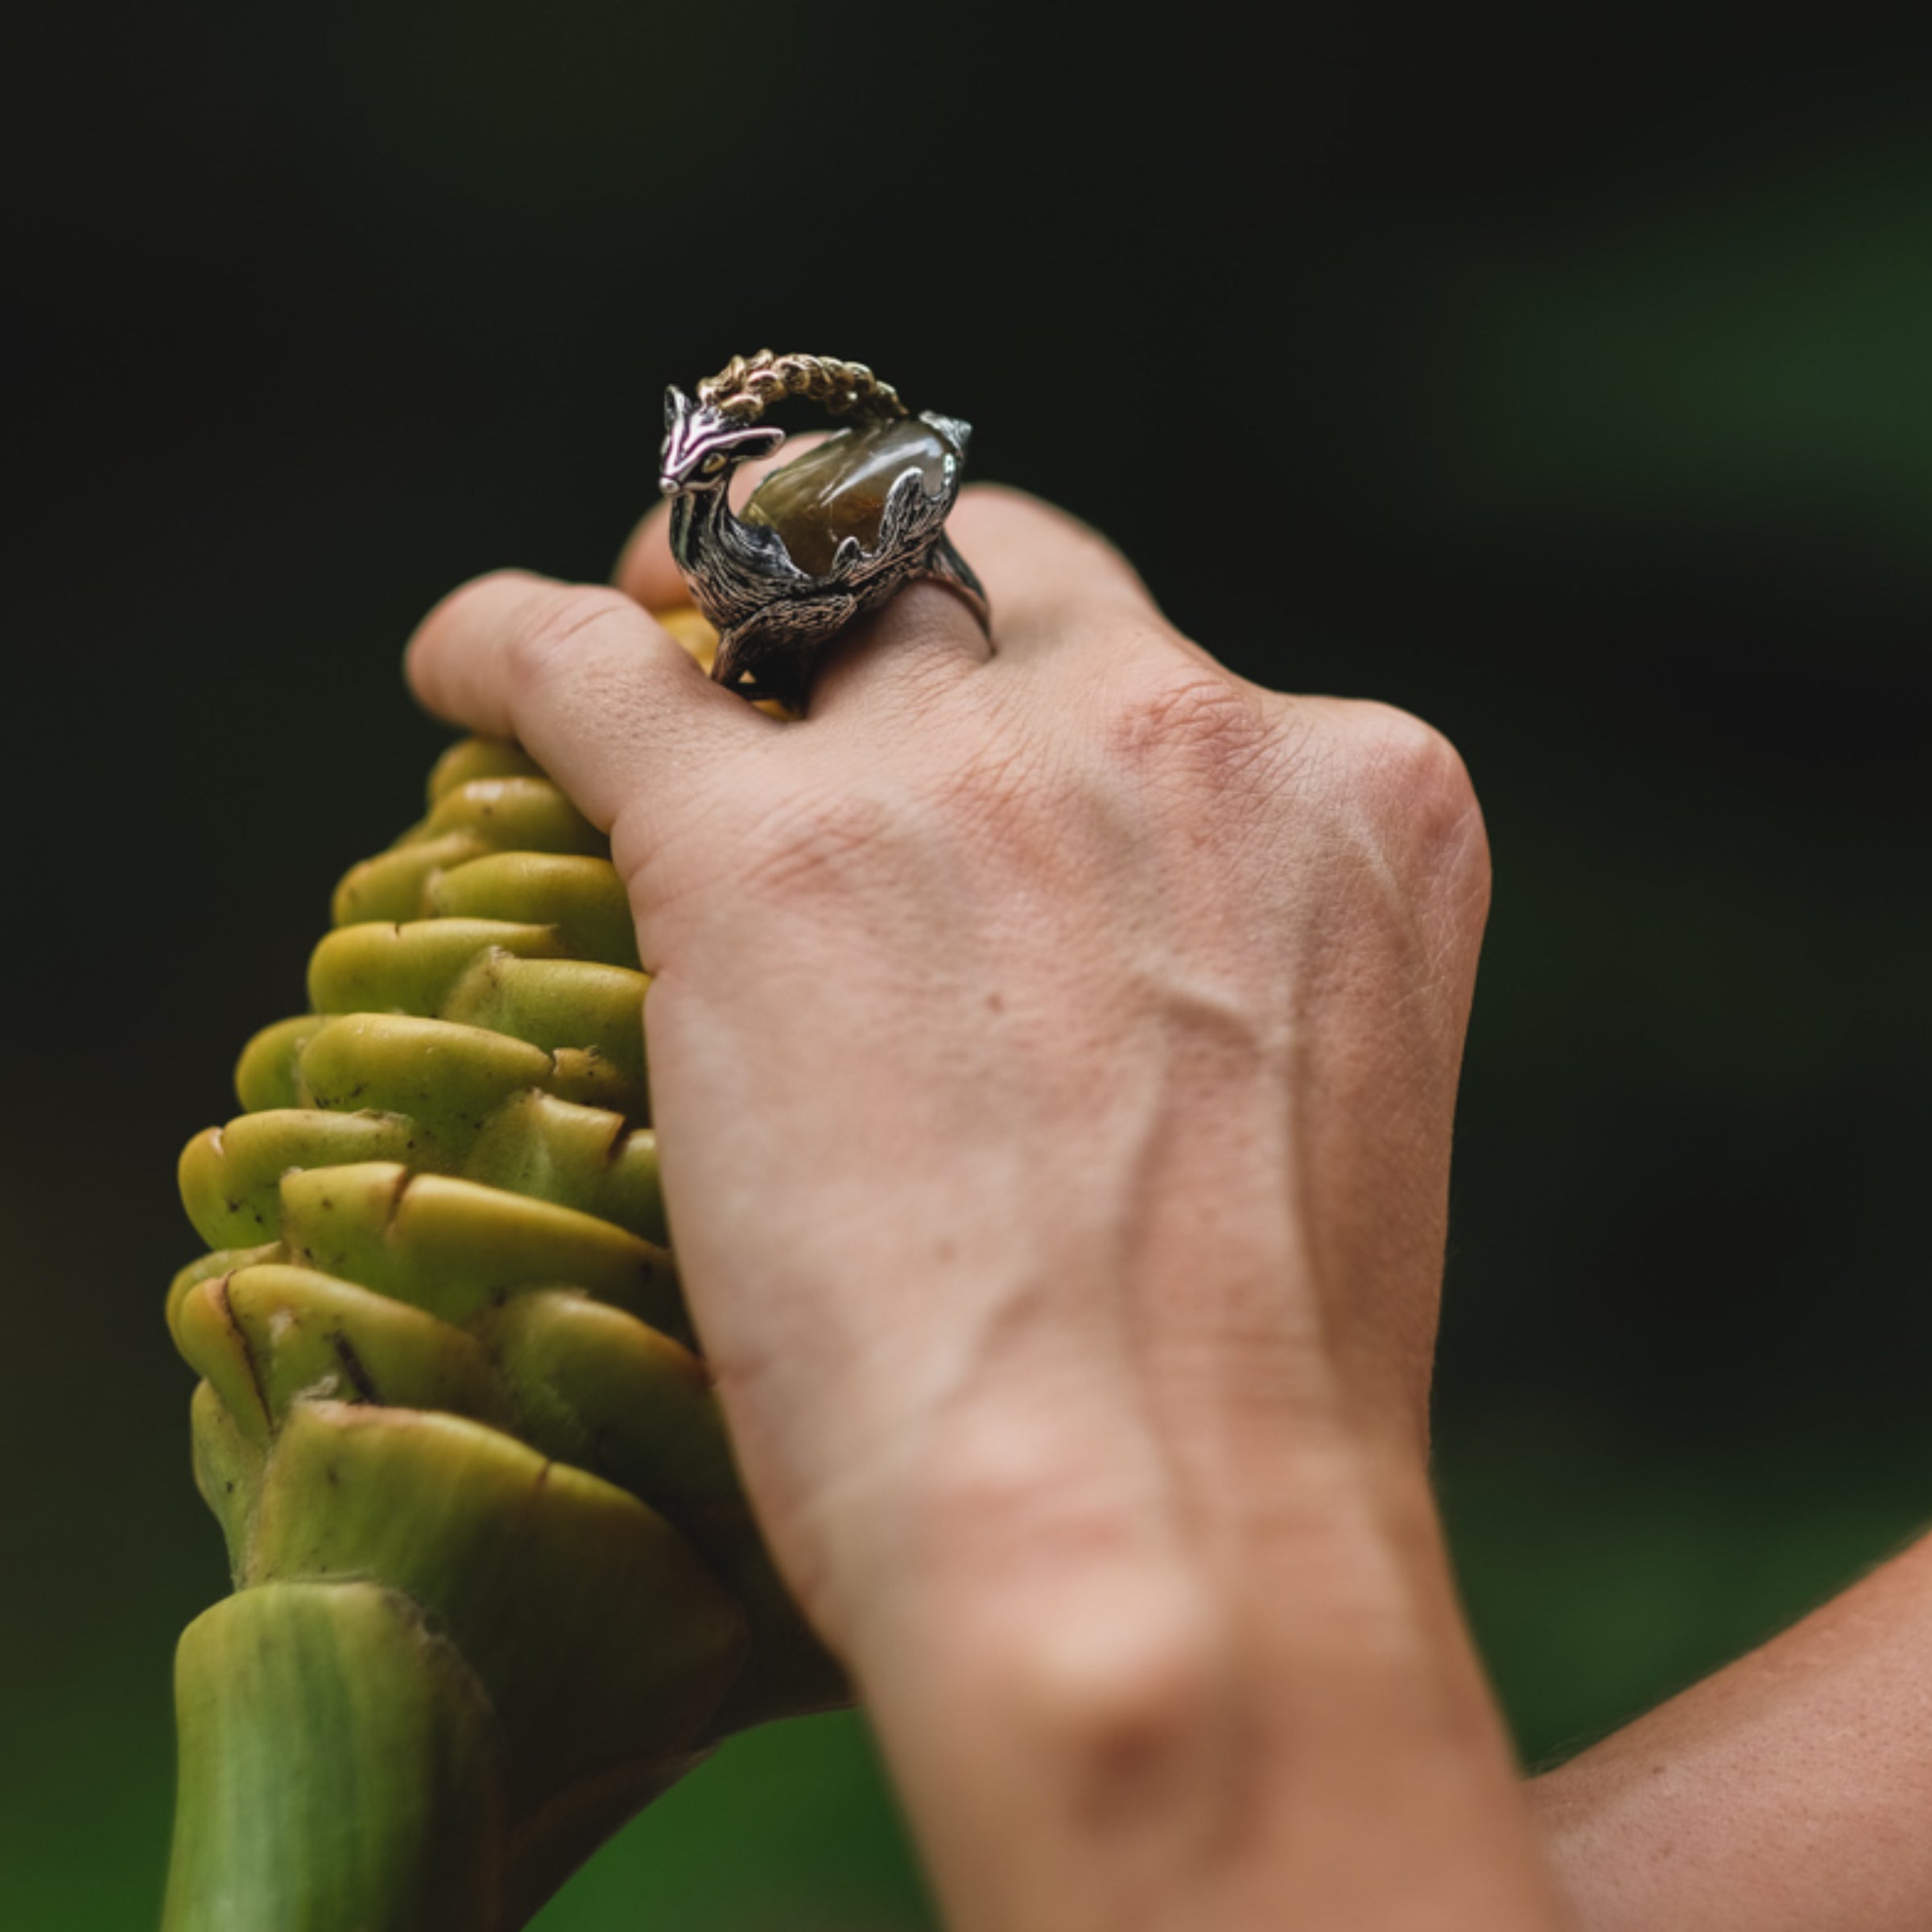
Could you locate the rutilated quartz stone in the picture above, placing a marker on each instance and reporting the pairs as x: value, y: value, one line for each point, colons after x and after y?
x: 839, y: 490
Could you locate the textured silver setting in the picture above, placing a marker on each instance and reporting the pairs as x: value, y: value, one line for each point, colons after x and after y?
x: 774, y: 618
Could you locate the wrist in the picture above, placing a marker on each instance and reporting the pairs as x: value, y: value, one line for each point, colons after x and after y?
x: 1032, y: 1528
x: 1190, y: 1713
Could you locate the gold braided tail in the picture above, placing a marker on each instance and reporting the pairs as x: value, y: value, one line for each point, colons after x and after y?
x: 748, y: 386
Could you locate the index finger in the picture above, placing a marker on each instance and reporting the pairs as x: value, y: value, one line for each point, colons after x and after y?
x: 598, y: 693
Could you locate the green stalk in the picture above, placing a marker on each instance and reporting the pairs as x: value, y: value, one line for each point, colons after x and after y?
x: 340, y: 1767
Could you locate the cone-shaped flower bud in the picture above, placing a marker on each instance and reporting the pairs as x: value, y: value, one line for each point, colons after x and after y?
x: 497, y: 1584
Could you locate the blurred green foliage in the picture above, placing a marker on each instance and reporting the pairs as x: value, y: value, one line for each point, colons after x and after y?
x: 1567, y: 371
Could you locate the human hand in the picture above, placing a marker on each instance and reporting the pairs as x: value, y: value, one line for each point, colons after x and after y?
x: 1054, y: 1049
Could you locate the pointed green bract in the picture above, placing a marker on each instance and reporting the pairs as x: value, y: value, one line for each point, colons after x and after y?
x: 470, y: 759
x: 454, y: 1248
x: 555, y: 1150
x: 394, y: 886
x: 270, y: 1336
x: 227, y: 1468
x: 599, y: 1390
x: 450, y: 1079
x: 625, y: 1663
x: 266, y: 1074
x: 513, y: 813
x: 208, y: 1267
x: 558, y: 1003
x: 231, y: 1176
x: 581, y: 898
x: 381, y: 968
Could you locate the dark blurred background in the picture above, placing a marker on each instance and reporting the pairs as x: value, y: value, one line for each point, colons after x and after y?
x: 1570, y: 365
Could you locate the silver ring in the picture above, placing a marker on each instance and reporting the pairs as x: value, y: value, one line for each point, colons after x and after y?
x: 830, y: 535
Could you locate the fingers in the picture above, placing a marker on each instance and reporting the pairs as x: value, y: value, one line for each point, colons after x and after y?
x: 645, y: 571
x: 598, y: 694
x: 1047, y: 575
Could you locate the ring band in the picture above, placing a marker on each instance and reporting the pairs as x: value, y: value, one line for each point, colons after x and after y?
x: 832, y: 534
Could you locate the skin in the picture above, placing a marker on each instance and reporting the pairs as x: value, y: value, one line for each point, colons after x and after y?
x: 1787, y: 1794
x: 1055, y: 1048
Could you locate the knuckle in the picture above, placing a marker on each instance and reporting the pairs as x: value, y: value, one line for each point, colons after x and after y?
x: 1000, y: 510
x: 1414, y: 780
x: 1406, y: 751
x: 810, y: 844
x: 1163, y: 708
x: 1409, y: 746
x: 993, y: 780
x: 550, y: 640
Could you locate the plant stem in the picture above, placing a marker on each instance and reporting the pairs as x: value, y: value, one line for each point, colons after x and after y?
x: 341, y: 1771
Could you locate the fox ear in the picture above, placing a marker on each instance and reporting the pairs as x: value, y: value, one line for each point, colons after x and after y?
x: 677, y: 406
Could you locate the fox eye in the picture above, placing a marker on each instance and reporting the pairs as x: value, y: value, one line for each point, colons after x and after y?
x: 713, y: 464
